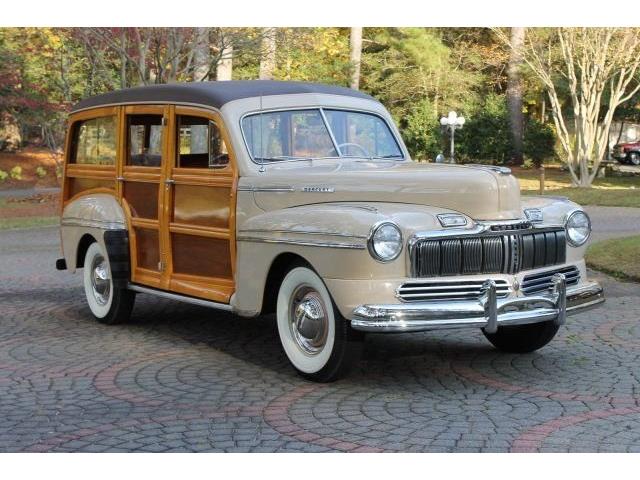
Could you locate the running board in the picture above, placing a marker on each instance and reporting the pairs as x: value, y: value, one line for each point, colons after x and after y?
x: 180, y: 298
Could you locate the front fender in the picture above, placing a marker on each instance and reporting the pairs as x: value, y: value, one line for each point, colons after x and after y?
x: 332, y: 237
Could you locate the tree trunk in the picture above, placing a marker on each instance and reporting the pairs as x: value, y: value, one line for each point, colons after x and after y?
x: 224, y: 68
x: 123, y: 59
x: 355, y: 40
x: 514, y: 95
x: 201, y: 56
x: 268, y: 54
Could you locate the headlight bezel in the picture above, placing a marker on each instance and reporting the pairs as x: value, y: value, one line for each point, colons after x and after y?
x: 372, y: 238
x: 567, y: 227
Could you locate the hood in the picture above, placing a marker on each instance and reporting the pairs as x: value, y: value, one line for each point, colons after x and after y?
x: 481, y: 192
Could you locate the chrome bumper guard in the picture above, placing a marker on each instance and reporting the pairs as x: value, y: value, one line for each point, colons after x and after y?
x: 488, y: 312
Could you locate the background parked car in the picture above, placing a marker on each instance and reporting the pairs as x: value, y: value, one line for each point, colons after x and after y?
x: 627, y: 153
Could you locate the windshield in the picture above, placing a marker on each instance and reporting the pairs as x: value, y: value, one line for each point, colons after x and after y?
x: 304, y: 134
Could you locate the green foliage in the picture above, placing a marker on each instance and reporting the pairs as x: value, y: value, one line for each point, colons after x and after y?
x: 16, y: 172
x: 41, y: 172
x: 485, y: 136
x: 3, y: 175
x: 421, y: 133
x: 405, y: 66
x: 539, y: 141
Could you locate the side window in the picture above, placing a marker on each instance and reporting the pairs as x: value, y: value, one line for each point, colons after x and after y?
x: 360, y: 134
x: 287, y: 134
x: 145, y: 140
x: 200, y: 143
x: 94, y: 141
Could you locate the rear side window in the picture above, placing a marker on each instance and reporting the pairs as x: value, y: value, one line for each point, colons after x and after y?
x: 145, y: 140
x: 94, y: 141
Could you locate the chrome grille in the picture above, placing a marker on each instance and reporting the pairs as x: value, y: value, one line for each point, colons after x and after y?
x: 539, y: 282
x: 454, y: 290
x: 488, y: 253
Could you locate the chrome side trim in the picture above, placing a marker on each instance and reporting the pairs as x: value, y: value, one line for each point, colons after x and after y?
x: 302, y: 232
x: 493, y: 168
x: 306, y: 243
x: 180, y: 298
x: 364, y: 206
x: 267, y: 188
x: 83, y: 222
x: 489, y: 312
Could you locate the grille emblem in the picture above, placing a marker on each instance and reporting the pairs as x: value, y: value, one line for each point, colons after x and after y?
x: 516, y: 285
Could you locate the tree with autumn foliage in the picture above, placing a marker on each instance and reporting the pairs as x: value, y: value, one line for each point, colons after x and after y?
x: 418, y: 73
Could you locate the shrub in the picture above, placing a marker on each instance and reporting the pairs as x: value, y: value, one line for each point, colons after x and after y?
x: 41, y: 172
x: 539, y: 141
x: 485, y: 135
x: 16, y: 172
x: 3, y: 175
x: 422, y: 132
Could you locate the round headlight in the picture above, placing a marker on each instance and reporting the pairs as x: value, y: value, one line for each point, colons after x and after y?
x: 385, y: 242
x: 578, y: 228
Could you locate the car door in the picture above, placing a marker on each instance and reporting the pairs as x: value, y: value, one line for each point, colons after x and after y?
x: 140, y: 177
x: 199, y: 183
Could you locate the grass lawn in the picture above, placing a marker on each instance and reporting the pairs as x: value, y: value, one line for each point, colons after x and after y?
x: 619, y: 257
x: 27, y: 222
x: 609, y: 191
x: 35, y: 211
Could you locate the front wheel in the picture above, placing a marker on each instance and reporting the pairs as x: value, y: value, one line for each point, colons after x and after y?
x: 634, y: 158
x: 318, y: 341
x: 523, y: 338
x: 108, y: 303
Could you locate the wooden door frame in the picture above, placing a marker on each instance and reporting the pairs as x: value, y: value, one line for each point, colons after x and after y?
x: 216, y: 289
x: 142, y: 174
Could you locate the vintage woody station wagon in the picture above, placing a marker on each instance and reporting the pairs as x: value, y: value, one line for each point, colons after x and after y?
x: 301, y: 199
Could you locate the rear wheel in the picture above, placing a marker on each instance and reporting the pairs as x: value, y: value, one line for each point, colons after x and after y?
x: 317, y: 340
x: 109, y: 304
x: 523, y: 338
x: 634, y: 158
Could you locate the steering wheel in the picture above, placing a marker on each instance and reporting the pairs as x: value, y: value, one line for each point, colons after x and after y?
x: 362, y: 149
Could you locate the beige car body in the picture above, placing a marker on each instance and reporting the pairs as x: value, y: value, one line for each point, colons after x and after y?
x: 323, y: 211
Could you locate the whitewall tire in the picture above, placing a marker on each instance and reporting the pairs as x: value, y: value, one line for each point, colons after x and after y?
x: 317, y: 340
x: 108, y: 303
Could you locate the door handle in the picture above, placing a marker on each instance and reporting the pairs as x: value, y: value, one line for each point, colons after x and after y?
x: 169, y: 181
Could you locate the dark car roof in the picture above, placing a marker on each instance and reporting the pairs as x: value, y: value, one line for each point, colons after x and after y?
x: 214, y: 94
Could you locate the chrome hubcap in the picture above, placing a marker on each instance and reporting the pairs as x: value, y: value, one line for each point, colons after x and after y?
x: 308, y: 320
x: 100, y: 280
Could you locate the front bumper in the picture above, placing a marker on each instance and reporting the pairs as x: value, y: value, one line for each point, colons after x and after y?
x: 488, y: 312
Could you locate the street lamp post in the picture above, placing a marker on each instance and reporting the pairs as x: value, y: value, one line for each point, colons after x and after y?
x: 451, y: 123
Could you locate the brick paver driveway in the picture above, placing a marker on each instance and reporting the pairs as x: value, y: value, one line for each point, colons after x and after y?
x: 183, y: 378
